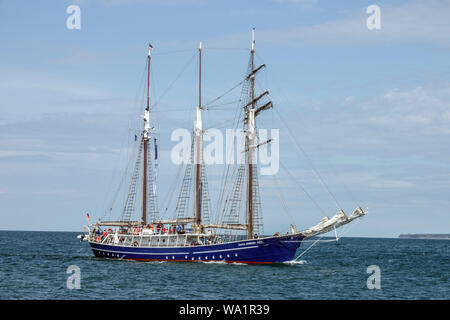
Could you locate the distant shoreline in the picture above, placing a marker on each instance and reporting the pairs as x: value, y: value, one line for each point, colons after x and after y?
x: 425, y: 236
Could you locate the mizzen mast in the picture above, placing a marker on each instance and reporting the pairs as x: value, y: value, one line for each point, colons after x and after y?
x: 251, y: 144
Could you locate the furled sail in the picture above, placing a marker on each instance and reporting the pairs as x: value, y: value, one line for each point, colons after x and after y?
x: 328, y: 224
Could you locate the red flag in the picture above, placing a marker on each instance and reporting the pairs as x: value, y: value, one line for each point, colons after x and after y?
x: 149, y: 49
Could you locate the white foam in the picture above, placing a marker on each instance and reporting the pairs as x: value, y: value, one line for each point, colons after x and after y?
x: 295, y: 262
x: 213, y: 262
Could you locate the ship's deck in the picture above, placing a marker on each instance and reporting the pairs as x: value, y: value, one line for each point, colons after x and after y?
x: 164, y: 239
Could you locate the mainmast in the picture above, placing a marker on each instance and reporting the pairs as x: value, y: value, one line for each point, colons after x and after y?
x: 250, y: 138
x: 145, y: 137
x: 198, y: 144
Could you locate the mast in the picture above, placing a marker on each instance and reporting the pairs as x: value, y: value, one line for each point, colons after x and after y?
x: 145, y: 138
x: 198, y: 144
x: 250, y: 137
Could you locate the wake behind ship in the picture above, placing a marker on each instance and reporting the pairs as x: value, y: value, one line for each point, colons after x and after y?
x: 235, y: 233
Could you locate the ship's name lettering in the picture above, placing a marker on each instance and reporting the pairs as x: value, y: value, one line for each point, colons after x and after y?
x: 247, y: 243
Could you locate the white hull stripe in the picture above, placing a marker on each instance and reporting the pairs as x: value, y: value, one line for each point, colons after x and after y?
x: 162, y: 253
x: 173, y: 253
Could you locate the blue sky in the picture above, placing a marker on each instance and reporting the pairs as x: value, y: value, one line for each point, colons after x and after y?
x: 371, y: 108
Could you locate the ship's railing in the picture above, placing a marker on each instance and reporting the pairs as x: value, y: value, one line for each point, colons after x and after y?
x: 153, y: 240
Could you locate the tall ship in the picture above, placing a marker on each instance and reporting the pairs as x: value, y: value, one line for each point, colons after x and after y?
x: 233, y: 232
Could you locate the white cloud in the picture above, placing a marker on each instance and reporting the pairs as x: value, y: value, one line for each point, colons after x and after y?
x: 419, y: 111
x: 396, y: 122
x: 418, y: 21
x: 393, y: 143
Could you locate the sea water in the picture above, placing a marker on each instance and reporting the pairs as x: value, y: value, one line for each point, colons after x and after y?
x: 40, y: 265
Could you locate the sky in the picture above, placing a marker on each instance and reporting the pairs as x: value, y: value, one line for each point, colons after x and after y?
x: 370, y: 108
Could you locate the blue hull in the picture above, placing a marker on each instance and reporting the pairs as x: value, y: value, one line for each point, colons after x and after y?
x: 257, y: 251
